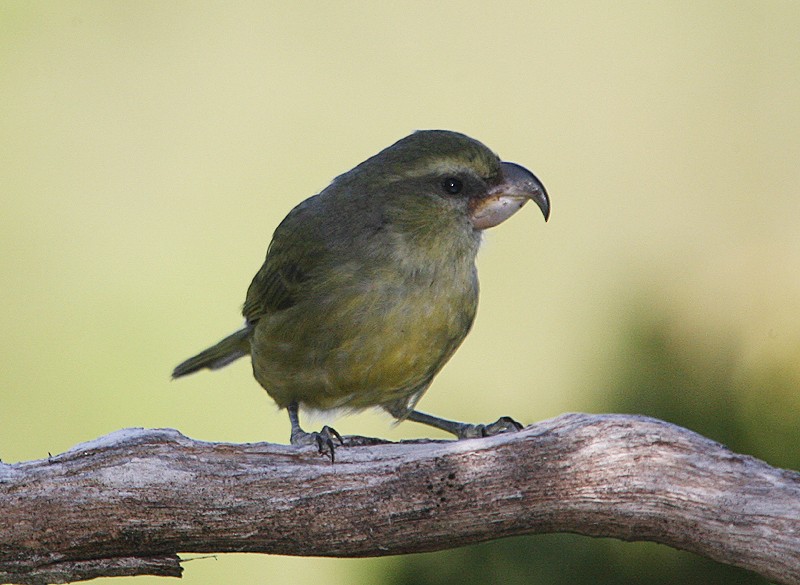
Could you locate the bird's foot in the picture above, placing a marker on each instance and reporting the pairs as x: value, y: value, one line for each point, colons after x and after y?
x: 504, y: 424
x: 324, y: 439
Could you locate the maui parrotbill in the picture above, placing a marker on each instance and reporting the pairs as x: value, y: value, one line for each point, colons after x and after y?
x: 370, y: 286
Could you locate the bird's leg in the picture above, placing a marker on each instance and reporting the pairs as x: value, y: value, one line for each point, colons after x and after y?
x: 504, y: 424
x: 323, y: 439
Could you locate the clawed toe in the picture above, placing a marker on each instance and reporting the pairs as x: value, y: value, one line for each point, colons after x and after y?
x: 324, y: 440
x: 504, y: 424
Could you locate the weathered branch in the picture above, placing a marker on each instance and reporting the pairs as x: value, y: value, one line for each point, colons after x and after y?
x: 127, y: 503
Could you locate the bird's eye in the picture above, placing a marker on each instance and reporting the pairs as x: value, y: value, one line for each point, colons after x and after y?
x: 452, y: 185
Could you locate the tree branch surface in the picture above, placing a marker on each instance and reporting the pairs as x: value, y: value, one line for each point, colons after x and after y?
x: 129, y: 502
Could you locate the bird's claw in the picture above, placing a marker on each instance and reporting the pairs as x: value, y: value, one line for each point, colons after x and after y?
x: 504, y: 424
x: 322, y: 439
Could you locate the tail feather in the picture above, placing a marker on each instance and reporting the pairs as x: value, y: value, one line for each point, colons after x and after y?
x: 220, y: 355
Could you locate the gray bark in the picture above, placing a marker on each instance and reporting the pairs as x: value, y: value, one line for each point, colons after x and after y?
x: 127, y: 503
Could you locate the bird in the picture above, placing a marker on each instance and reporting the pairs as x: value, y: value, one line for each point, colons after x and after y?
x: 370, y: 286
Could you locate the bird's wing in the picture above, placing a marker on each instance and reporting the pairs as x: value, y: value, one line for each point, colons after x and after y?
x: 320, y: 234
x: 273, y: 289
x: 291, y: 257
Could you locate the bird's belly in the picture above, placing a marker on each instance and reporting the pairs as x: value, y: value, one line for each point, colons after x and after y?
x: 375, y: 346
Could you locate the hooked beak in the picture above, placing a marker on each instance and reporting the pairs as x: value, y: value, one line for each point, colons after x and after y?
x: 516, y: 187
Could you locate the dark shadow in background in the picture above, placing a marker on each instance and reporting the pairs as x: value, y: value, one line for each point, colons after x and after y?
x: 665, y: 370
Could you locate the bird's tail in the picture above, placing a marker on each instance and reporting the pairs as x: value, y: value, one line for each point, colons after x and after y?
x: 217, y: 356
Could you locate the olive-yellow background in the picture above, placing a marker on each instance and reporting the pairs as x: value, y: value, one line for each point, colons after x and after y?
x: 148, y: 150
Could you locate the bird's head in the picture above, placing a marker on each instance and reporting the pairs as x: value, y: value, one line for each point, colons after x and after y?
x: 456, y: 171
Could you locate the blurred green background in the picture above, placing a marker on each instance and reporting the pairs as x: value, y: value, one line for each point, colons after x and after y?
x: 150, y: 148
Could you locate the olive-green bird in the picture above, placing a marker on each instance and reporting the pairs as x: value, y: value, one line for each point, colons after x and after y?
x: 370, y: 286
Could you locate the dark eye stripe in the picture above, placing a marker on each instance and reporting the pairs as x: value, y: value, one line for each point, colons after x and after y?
x: 452, y: 185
